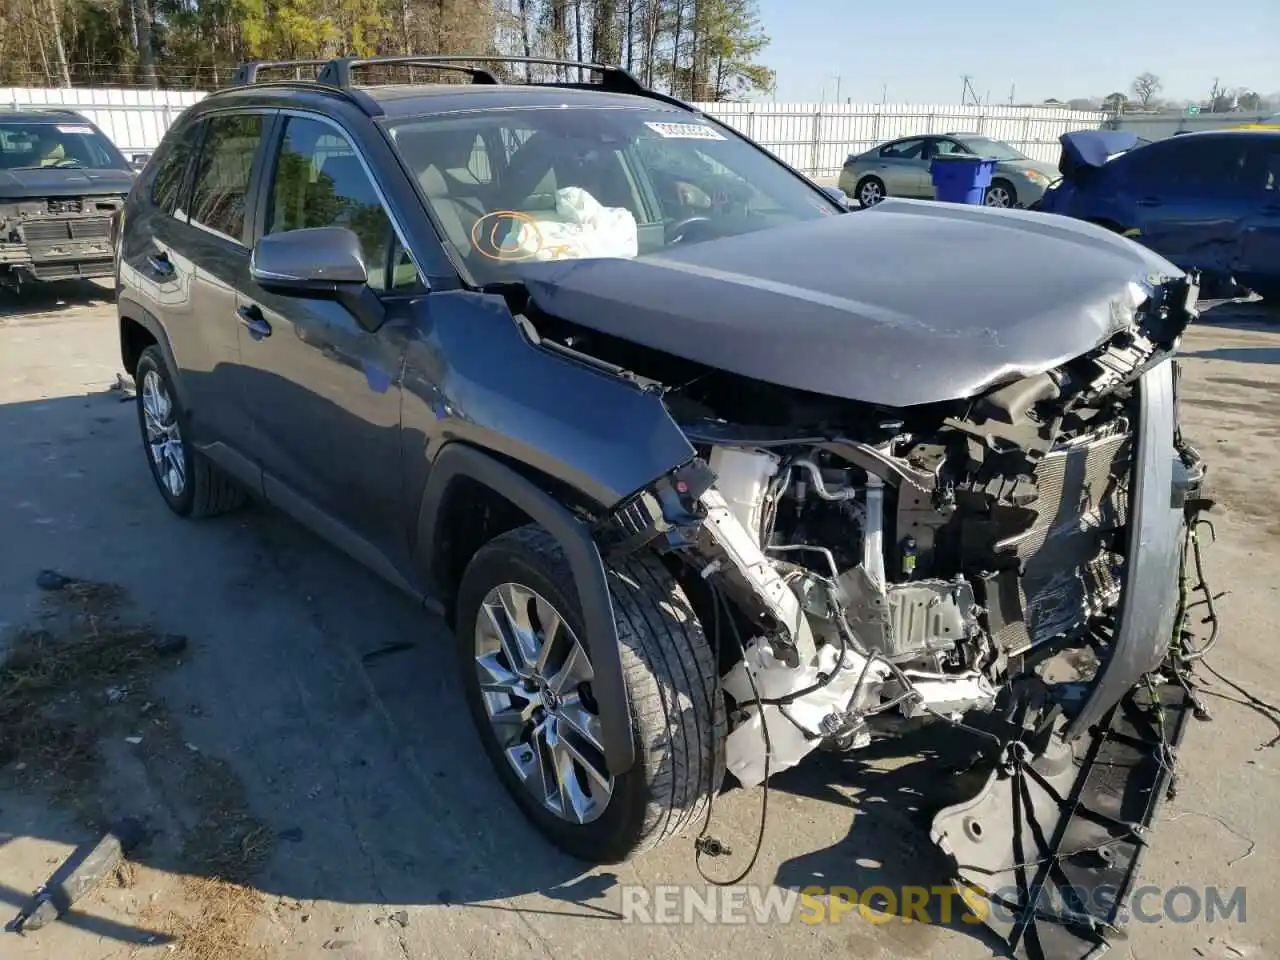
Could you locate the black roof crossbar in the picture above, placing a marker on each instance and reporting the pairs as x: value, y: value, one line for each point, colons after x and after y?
x: 338, y: 72
x: 248, y: 72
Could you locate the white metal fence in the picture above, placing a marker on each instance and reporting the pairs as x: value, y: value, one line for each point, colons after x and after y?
x: 816, y: 138
x: 812, y: 137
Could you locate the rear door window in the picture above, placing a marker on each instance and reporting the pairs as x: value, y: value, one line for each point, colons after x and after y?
x: 943, y: 147
x: 903, y: 150
x: 1269, y: 174
x: 221, y: 180
x: 1194, y: 167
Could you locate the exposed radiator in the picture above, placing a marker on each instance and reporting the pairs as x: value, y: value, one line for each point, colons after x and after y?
x: 79, y: 228
x: 1068, y: 571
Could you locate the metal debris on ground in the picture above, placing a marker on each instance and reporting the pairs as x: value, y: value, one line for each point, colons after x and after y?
x: 79, y: 873
x: 124, y: 385
x: 53, y: 580
x: 398, y: 646
x: 170, y: 644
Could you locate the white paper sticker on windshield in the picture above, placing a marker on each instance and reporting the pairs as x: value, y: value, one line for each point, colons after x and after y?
x: 685, y: 131
x: 77, y: 128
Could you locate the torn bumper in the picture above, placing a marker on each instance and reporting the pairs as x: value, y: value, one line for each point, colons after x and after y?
x: 58, y: 239
x: 1048, y: 851
x: 1157, y: 522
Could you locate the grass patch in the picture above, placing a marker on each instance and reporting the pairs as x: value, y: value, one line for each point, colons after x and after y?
x: 82, y: 677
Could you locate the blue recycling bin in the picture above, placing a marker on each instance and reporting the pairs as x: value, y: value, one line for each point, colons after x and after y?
x: 961, y: 179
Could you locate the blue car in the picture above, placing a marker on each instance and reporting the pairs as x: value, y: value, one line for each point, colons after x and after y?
x: 1208, y: 201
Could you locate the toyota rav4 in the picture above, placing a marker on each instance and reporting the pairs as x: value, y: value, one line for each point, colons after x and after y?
x: 704, y: 469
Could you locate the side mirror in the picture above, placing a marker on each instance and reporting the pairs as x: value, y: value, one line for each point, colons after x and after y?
x: 139, y: 160
x: 318, y: 263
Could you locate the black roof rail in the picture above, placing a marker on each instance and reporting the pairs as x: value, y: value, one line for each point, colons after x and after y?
x: 366, y: 103
x: 612, y: 79
x: 338, y: 72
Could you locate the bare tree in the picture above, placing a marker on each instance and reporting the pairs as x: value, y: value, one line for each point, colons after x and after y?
x: 1219, y: 99
x: 1145, y: 87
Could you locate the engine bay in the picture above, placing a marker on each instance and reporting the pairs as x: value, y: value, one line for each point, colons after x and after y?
x: 889, y: 567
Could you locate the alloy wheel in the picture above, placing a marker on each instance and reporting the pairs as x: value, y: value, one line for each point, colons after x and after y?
x: 998, y: 196
x: 535, y: 680
x: 164, y: 439
x: 870, y: 194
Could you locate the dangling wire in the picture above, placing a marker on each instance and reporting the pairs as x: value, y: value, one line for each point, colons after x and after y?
x: 705, y: 844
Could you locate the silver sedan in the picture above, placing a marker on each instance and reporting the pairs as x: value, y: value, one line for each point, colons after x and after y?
x: 900, y: 168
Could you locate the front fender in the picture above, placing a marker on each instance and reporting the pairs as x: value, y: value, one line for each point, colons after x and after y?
x: 472, y: 374
x: 457, y: 460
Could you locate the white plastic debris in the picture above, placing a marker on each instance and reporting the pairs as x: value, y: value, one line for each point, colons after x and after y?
x: 744, y: 750
x: 581, y: 227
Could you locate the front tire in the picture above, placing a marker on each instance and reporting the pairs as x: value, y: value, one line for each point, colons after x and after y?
x: 523, y: 653
x: 1001, y: 194
x: 190, y: 483
x: 870, y: 191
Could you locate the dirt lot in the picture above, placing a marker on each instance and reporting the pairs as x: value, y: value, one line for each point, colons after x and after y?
x: 336, y: 787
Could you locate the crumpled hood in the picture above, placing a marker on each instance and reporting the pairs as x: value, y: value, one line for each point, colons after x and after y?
x: 63, y: 182
x: 905, y: 303
x: 1093, y: 148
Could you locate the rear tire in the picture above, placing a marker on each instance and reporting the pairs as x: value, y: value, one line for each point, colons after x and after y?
x: 677, y: 714
x: 190, y: 483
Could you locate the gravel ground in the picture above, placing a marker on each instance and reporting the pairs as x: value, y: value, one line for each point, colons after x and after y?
x: 357, y: 783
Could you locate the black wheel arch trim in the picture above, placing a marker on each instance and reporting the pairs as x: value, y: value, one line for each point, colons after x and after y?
x: 134, y: 312
x: 460, y: 460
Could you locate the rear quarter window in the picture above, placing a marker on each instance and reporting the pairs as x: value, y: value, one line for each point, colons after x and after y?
x: 220, y: 185
x: 170, y: 182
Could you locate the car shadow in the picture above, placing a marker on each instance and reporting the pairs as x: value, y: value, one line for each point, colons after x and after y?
x: 887, y: 860
x: 1263, y: 355
x: 323, y: 706
x: 54, y: 296
x: 1250, y: 313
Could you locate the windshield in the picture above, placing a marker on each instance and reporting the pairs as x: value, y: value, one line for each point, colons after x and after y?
x: 28, y: 145
x: 508, y: 186
x: 995, y: 149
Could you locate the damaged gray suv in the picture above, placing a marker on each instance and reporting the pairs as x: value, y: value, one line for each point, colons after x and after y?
x: 705, y: 470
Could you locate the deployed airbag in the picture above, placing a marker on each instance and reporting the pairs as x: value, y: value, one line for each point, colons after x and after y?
x: 580, y: 227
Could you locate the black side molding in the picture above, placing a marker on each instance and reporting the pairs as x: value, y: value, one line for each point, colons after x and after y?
x: 459, y: 460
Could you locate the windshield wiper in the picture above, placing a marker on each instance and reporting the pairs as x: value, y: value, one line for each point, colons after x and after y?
x: 60, y: 165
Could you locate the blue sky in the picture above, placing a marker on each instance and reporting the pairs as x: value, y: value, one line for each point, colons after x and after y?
x: 920, y: 48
